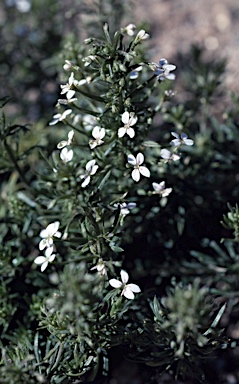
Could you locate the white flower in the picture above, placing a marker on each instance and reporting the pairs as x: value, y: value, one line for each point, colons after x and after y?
x: 68, y: 65
x: 129, y: 119
x: 181, y: 139
x: 44, y: 260
x: 47, y: 235
x: 130, y: 29
x: 64, y: 143
x: 167, y: 155
x: 142, y: 35
x: 163, y: 70
x: 91, y: 169
x: 161, y: 190
x: 128, y: 290
x: 68, y: 88
x: 23, y: 6
x: 66, y: 155
x: 60, y: 116
x: 101, y: 268
x: 88, y: 60
x: 138, y: 168
x: 125, y: 207
x: 89, y: 122
x: 98, y: 133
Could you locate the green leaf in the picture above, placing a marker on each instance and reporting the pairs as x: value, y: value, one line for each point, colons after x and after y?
x: 103, y: 181
x: 115, y: 248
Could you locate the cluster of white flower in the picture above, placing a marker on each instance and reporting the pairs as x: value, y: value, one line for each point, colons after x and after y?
x: 66, y: 155
x: 177, y: 142
x: 47, y: 235
x: 90, y: 123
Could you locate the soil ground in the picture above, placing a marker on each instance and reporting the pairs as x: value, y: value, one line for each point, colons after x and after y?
x: 176, y: 24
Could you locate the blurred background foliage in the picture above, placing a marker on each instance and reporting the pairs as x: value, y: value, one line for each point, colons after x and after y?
x: 175, y: 251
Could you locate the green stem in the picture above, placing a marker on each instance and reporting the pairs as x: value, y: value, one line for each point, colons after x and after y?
x: 17, y: 167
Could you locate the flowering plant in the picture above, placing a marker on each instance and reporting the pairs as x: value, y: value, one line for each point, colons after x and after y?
x: 90, y: 202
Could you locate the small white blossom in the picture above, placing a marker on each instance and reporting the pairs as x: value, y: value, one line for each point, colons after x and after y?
x: 181, y: 139
x: 68, y: 88
x: 98, y: 133
x: 125, y: 207
x: 138, y: 168
x: 64, y: 143
x: 48, y: 234
x: 68, y: 65
x: 66, y: 155
x: 128, y: 290
x: 100, y: 267
x: 161, y: 190
x: 44, y: 260
x: 89, y: 122
x: 60, y: 116
x: 142, y: 35
x: 91, y: 169
x: 167, y: 155
x: 129, y: 119
x: 163, y: 69
x: 129, y: 29
x: 23, y: 6
x: 88, y: 60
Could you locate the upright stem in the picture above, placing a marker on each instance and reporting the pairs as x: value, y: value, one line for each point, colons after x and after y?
x: 17, y: 167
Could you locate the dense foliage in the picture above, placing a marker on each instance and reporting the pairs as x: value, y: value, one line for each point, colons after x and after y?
x: 119, y: 219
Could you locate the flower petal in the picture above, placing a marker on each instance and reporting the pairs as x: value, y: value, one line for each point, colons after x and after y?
x: 135, y: 175
x: 125, y: 117
x: 115, y: 283
x: 121, y: 131
x: 62, y: 144
x: 96, y: 132
x: 52, y: 228
x: 133, y: 120
x: 49, y: 251
x: 44, y: 265
x: 57, y: 234
x: 124, y: 276
x: 144, y: 171
x: 89, y: 165
x: 94, y: 169
x: 170, y: 67
x: 128, y: 293
x: 130, y: 132
x: 40, y: 260
x: 51, y: 258
x: 166, y: 192
x: 86, y: 181
x: 70, y: 94
x: 188, y: 141
x: 43, y: 244
x: 170, y: 76
x: 134, y: 288
x: 131, y: 160
x: 140, y: 158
